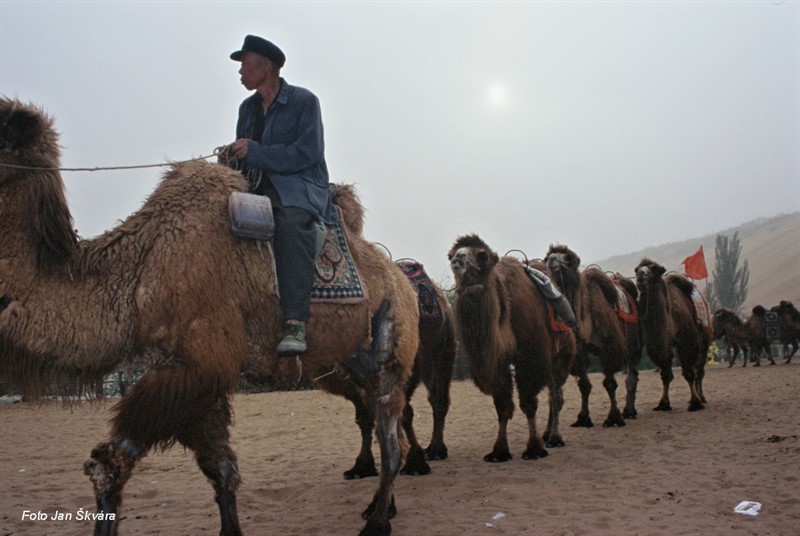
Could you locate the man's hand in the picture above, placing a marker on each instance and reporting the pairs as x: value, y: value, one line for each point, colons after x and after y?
x: 239, y: 148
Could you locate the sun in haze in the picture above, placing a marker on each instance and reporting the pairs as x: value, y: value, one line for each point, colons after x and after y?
x: 496, y: 95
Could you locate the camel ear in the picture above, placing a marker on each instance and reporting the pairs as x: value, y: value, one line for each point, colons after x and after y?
x: 659, y: 270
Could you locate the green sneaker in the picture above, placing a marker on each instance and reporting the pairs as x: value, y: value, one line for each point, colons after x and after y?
x: 294, y: 340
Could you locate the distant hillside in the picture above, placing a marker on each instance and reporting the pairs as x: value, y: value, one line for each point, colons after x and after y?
x: 770, y: 245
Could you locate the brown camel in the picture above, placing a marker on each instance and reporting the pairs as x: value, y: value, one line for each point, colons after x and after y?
x: 603, y: 332
x: 503, y: 322
x: 758, y: 342
x: 736, y: 333
x: 789, y: 325
x: 173, y: 283
x: 670, y: 319
x: 433, y: 366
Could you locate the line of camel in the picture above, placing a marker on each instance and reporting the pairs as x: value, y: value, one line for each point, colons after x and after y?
x: 173, y: 286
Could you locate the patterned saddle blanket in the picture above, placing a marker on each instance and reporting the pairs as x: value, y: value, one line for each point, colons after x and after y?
x: 430, y: 310
x: 336, y: 277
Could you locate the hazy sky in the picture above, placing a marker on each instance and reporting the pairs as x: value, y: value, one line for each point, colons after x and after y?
x: 607, y: 126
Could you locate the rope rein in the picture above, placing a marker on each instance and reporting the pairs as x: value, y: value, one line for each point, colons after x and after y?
x: 217, y: 152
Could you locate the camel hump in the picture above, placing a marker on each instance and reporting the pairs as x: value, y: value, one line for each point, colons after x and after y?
x: 598, y: 278
x: 345, y: 197
x: 682, y: 283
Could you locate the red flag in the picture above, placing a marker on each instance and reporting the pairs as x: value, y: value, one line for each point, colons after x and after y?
x: 695, y: 265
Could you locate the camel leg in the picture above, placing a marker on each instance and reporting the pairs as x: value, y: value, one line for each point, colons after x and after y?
x: 438, y: 385
x: 666, y: 378
x: 768, y: 349
x: 382, y: 508
x: 387, y: 400
x: 210, y: 441
x: 614, y: 415
x: 415, y: 458
x: 504, y: 406
x: 365, y: 462
x: 552, y: 435
x: 794, y: 346
x: 585, y: 388
x: 699, y: 376
x: 631, y: 384
x: 109, y: 468
x: 529, y: 384
x: 695, y: 403
x: 439, y: 399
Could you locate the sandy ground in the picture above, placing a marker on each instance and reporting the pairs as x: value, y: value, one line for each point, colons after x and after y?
x: 664, y: 473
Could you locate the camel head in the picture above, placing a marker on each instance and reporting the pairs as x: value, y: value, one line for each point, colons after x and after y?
x: 471, y: 260
x: 27, y: 138
x: 33, y: 191
x: 564, y: 264
x: 648, y: 273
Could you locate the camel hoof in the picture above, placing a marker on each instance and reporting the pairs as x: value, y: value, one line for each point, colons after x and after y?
x: 615, y: 421
x: 555, y: 442
x: 415, y: 463
x: 436, y: 453
x: 359, y: 472
x: 535, y: 453
x: 367, y: 514
x: 495, y: 457
x: 419, y: 470
x: 630, y: 414
x: 584, y: 421
x: 376, y: 529
x: 696, y: 406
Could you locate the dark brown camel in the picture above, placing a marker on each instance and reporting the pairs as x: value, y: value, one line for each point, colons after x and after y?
x: 433, y: 366
x: 728, y: 326
x: 173, y: 284
x: 502, y: 321
x: 756, y: 326
x: 593, y: 296
x: 670, y: 320
x: 789, y: 325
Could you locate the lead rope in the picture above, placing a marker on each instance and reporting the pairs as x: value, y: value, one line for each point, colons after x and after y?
x: 217, y: 152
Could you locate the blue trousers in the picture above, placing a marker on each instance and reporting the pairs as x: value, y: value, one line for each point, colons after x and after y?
x: 294, y: 245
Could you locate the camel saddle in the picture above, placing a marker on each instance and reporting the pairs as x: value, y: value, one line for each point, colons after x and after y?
x: 430, y: 310
x: 626, y: 305
x: 562, y: 318
x: 701, y: 308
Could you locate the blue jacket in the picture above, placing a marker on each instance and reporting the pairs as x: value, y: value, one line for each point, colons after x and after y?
x: 291, y: 150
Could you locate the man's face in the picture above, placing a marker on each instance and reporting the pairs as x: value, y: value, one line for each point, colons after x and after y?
x: 254, y: 71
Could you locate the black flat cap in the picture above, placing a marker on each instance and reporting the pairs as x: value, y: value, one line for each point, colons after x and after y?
x: 259, y: 45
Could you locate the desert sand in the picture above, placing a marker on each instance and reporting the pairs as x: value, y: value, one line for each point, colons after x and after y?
x: 664, y: 473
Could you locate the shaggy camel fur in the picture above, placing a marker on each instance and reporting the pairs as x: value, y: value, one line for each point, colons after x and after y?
x: 789, y: 322
x: 434, y: 367
x: 593, y: 297
x: 669, y: 320
x: 756, y: 326
x: 173, y: 284
x: 736, y: 333
x: 502, y: 322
